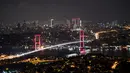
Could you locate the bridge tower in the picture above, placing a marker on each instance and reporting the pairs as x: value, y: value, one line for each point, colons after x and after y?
x: 81, y: 49
x: 76, y: 23
x: 37, y: 41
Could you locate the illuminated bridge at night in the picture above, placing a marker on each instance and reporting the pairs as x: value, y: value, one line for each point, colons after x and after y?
x: 41, y: 49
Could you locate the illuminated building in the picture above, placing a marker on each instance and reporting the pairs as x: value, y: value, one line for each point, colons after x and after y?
x: 68, y: 23
x: 52, y: 22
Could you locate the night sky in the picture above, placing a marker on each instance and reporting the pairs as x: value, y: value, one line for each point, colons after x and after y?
x: 18, y: 10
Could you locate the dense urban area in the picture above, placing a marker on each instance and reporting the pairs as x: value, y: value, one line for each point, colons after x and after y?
x: 107, y: 47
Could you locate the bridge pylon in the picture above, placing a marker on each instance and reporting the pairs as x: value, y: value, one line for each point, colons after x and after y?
x: 81, y: 48
x: 37, y: 41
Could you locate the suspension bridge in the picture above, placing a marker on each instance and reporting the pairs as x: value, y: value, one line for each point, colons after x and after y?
x: 38, y: 45
x: 41, y: 49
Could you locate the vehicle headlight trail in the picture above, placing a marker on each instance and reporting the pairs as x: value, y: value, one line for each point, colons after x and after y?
x: 27, y: 53
x: 47, y: 48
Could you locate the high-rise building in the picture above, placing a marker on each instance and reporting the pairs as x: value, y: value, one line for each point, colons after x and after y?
x: 114, y: 23
x: 68, y: 23
x: 18, y: 25
x: 52, y: 20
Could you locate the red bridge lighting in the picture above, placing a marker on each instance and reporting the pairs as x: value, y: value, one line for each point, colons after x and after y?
x: 82, y: 50
x: 37, y: 41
